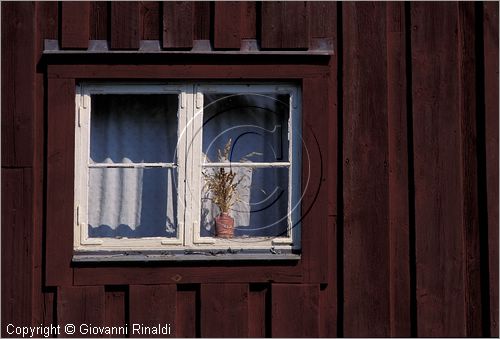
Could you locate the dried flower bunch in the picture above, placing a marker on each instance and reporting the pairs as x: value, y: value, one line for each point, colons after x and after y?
x: 222, y: 183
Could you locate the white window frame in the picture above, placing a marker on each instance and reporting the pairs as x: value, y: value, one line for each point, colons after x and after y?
x: 190, y: 122
x: 292, y: 239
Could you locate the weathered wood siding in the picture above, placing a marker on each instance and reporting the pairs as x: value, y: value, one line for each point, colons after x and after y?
x: 411, y: 185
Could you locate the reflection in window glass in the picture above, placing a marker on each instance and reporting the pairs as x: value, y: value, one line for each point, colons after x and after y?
x: 257, y: 124
x: 255, y: 127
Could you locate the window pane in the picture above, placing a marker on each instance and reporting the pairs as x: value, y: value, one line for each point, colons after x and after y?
x: 260, y: 204
x: 257, y: 125
x: 133, y: 128
x: 132, y: 202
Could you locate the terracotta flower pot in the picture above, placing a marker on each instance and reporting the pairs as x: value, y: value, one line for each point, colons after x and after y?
x: 224, y: 225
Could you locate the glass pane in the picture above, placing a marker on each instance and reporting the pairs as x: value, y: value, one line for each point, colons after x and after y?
x: 133, y: 128
x: 256, y: 124
x: 259, y: 206
x: 132, y: 202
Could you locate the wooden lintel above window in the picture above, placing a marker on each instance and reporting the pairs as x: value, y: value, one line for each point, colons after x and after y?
x: 248, y: 47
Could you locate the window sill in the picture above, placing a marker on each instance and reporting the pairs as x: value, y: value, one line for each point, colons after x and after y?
x: 186, y: 255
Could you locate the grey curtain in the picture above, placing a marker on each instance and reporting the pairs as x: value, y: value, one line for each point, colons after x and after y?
x: 133, y: 202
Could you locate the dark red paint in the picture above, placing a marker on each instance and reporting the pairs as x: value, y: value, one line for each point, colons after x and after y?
x: 402, y: 234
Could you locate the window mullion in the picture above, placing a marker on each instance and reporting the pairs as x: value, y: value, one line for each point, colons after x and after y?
x: 133, y: 165
x: 187, y: 157
x: 182, y: 137
x: 247, y: 164
x: 197, y: 168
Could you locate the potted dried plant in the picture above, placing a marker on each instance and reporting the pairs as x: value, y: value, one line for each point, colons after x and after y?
x: 223, y: 186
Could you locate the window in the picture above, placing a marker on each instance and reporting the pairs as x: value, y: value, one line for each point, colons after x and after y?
x: 146, y: 154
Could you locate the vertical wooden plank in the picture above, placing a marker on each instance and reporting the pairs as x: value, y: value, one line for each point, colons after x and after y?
x: 125, y: 25
x: 323, y: 19
x: 178, y: 24
x: 258, y: 309
x: 224, y: 310
x: 202, y: 20
x: 18, y: 71
x: 60, y: 181
x: 17, y: 275
x: 80, y: 305
x: 328, y: 297
x: 314, y: 204
x: 365, y: 169
x: 47, y: 20
x: 467, y: 105
x: 490, y: 28
x: 227, y: 33
x: 19, y: 297
x: 46, y: 28
x: 115, y: 309
x: 153, y: 305
x: 150, y: 20
x: 248, y: 18
x: 49, y: 308
x: 441, y: 308
x: 75, y: 28
x: 285, y: 25
x: 399, y: 247
x: 322, y: 23
x: 295, y: 311
x: 186, y: 323
x: 99, y: 20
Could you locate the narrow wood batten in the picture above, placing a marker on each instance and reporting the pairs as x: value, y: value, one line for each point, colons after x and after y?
x: 321, y: 46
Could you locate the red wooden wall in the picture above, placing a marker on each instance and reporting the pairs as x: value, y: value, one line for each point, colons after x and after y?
x: 412, y: 182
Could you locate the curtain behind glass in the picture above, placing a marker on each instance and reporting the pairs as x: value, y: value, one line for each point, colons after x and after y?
x: 133, y: 202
